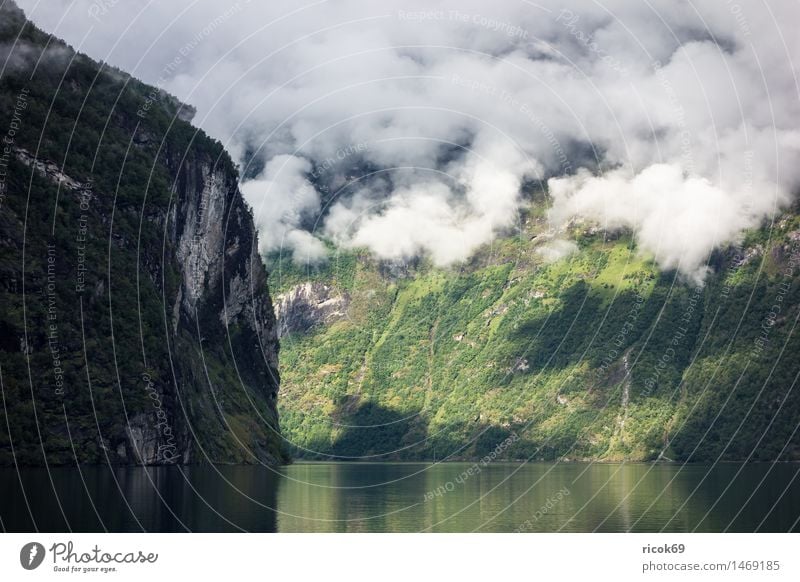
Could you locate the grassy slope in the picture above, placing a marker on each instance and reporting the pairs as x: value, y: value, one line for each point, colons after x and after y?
x: 595, y: 356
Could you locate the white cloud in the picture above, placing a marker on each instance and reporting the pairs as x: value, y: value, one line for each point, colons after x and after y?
x: 693, y: 111
x: 556, y: 250
x: 428, y: 215
x: 281, y: 198
x: 678, y: 219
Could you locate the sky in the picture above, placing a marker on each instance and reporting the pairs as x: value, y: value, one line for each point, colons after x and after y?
x: 414, y: 128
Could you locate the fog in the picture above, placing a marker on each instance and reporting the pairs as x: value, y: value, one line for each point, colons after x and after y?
x: 412, y: 128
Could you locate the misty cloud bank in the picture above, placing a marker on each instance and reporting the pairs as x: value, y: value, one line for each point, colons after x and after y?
x: 411, y: 128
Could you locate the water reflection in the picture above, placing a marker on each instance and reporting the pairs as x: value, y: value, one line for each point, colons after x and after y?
x: 395, y: 497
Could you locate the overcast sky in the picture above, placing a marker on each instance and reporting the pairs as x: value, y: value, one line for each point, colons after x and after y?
x: 686, y: 113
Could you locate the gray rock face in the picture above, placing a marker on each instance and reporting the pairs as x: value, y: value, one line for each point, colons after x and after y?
x: 223, y: 303
x: 307, y: 305
x: 216, y: 242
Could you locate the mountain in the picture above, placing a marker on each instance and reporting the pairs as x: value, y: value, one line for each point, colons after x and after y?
x: 136, y: 324
x: 598, y: 355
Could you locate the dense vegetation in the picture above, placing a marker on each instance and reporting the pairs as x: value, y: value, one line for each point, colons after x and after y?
x: 598, y: 355
x: 92, y: 350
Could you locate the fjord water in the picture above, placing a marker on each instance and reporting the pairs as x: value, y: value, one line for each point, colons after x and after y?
x: 405, y: 497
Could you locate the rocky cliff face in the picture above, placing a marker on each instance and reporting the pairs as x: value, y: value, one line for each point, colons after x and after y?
x: 308, y: 305
x: 137, y: 325
x: 214, y: 238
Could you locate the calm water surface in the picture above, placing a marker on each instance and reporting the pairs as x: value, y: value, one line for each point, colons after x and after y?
x: 404, y: 497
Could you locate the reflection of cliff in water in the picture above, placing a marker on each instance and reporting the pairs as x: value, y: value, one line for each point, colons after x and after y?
x: 406, y: 497
x: 158, y: 499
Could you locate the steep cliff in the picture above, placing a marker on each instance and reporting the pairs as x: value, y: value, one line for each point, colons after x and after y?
x: 135, y: 319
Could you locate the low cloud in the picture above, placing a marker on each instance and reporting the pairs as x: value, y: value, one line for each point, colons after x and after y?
x: 556, y: 250
x: 446, y: 216
x: 685, y: 119
x: 282, y: 198
x: 680, y: 219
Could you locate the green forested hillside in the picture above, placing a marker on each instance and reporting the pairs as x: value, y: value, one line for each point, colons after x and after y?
x: 598, y: 355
